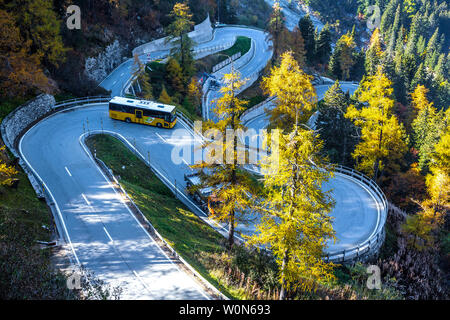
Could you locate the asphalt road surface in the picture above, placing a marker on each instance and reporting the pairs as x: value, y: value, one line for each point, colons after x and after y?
x: 105, y: 236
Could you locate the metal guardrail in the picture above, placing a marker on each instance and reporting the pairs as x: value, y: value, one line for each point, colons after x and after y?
x: 166, y: 182
x: 239, y: 26
x: 79, y: 101
x: 377, y: 237
x: 255, y: 107
x: 226, y: 62
x: 50, y: 200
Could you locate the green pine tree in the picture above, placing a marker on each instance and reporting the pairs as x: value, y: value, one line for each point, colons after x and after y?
x: 335, y: 130
x: 323, y: 45
x: 306, y: 27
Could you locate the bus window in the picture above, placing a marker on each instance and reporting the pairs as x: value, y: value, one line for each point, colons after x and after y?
x: 149, y: 113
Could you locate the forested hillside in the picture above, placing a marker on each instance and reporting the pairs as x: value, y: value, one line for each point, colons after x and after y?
x: 412, y: 43
x: 40, y: 53
x: 395, y: 128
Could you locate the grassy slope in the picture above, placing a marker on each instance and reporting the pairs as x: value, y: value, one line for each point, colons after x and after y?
x: 183, y: 230
x: 22, y: 202
x: 7, y: 105
x: 25, y: 207
x: 205, y: 64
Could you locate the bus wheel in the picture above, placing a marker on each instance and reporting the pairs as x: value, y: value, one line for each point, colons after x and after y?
x: 127, y: 120
x: 159, y: 125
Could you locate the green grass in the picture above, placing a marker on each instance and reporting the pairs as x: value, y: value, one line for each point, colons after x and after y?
x: 181, y: 228
x: 25, y: 207
x: 206, y: 64
x: 22, y: 202
x: 241, y: 45
x: 64, y: 96
x: 7, y: 105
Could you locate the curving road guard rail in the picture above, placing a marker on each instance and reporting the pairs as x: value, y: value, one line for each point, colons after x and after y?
x: 41, y: 189
x: 152, y: 230
x: 50, y: 200
x: 80, y: 101
x: 374, y: 242
x: 255, y: 108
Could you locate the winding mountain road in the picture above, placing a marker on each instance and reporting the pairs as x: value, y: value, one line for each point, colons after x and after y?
x: 105, y: 236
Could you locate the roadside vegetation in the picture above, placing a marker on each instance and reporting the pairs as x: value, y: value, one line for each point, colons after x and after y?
x: 240, y: 273
x: 395, y: 129
x: 27, y: 272
x: 193, y: 239
x: 28, y: 269
x: 206, y: 64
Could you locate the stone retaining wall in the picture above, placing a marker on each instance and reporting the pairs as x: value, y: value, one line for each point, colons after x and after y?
x: 18, y: 120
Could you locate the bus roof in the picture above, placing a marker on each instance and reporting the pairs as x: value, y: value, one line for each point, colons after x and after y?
x: 143, y: 104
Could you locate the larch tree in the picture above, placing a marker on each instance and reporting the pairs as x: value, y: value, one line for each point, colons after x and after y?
x: 425, y: 225
x: 7, y: 172
x: 346, y: 45
x: 222, y: 168
x: 374, y: 54
x: 295, y: 221
x: 178, y: 32
x: 174, y: 75
x: 298, y: 47
x: 383, y: 140
x: 164, y: 96
x: 438, y: 181
x: 141, y: 76
x: 20, y: 69
x: 292, y: 107
x: 275, y: 28
x: 146, y: 86
x: 39, y: 24
x: 195, y: 94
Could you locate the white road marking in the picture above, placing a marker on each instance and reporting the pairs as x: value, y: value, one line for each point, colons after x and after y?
x: 114, y: 82
x: 85, y: 199
x: 68, y: 172
x: 107, y: 233
x: 161, y: 137
x: 140, y: 279
x: 122, y: 74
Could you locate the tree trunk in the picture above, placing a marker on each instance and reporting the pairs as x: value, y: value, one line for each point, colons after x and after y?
x: 283, y: 283
x: 231, y: 232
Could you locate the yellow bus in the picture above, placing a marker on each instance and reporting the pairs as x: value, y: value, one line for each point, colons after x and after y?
x: 143, y: 111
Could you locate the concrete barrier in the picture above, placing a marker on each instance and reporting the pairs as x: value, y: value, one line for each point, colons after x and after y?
x: 203, y: 32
